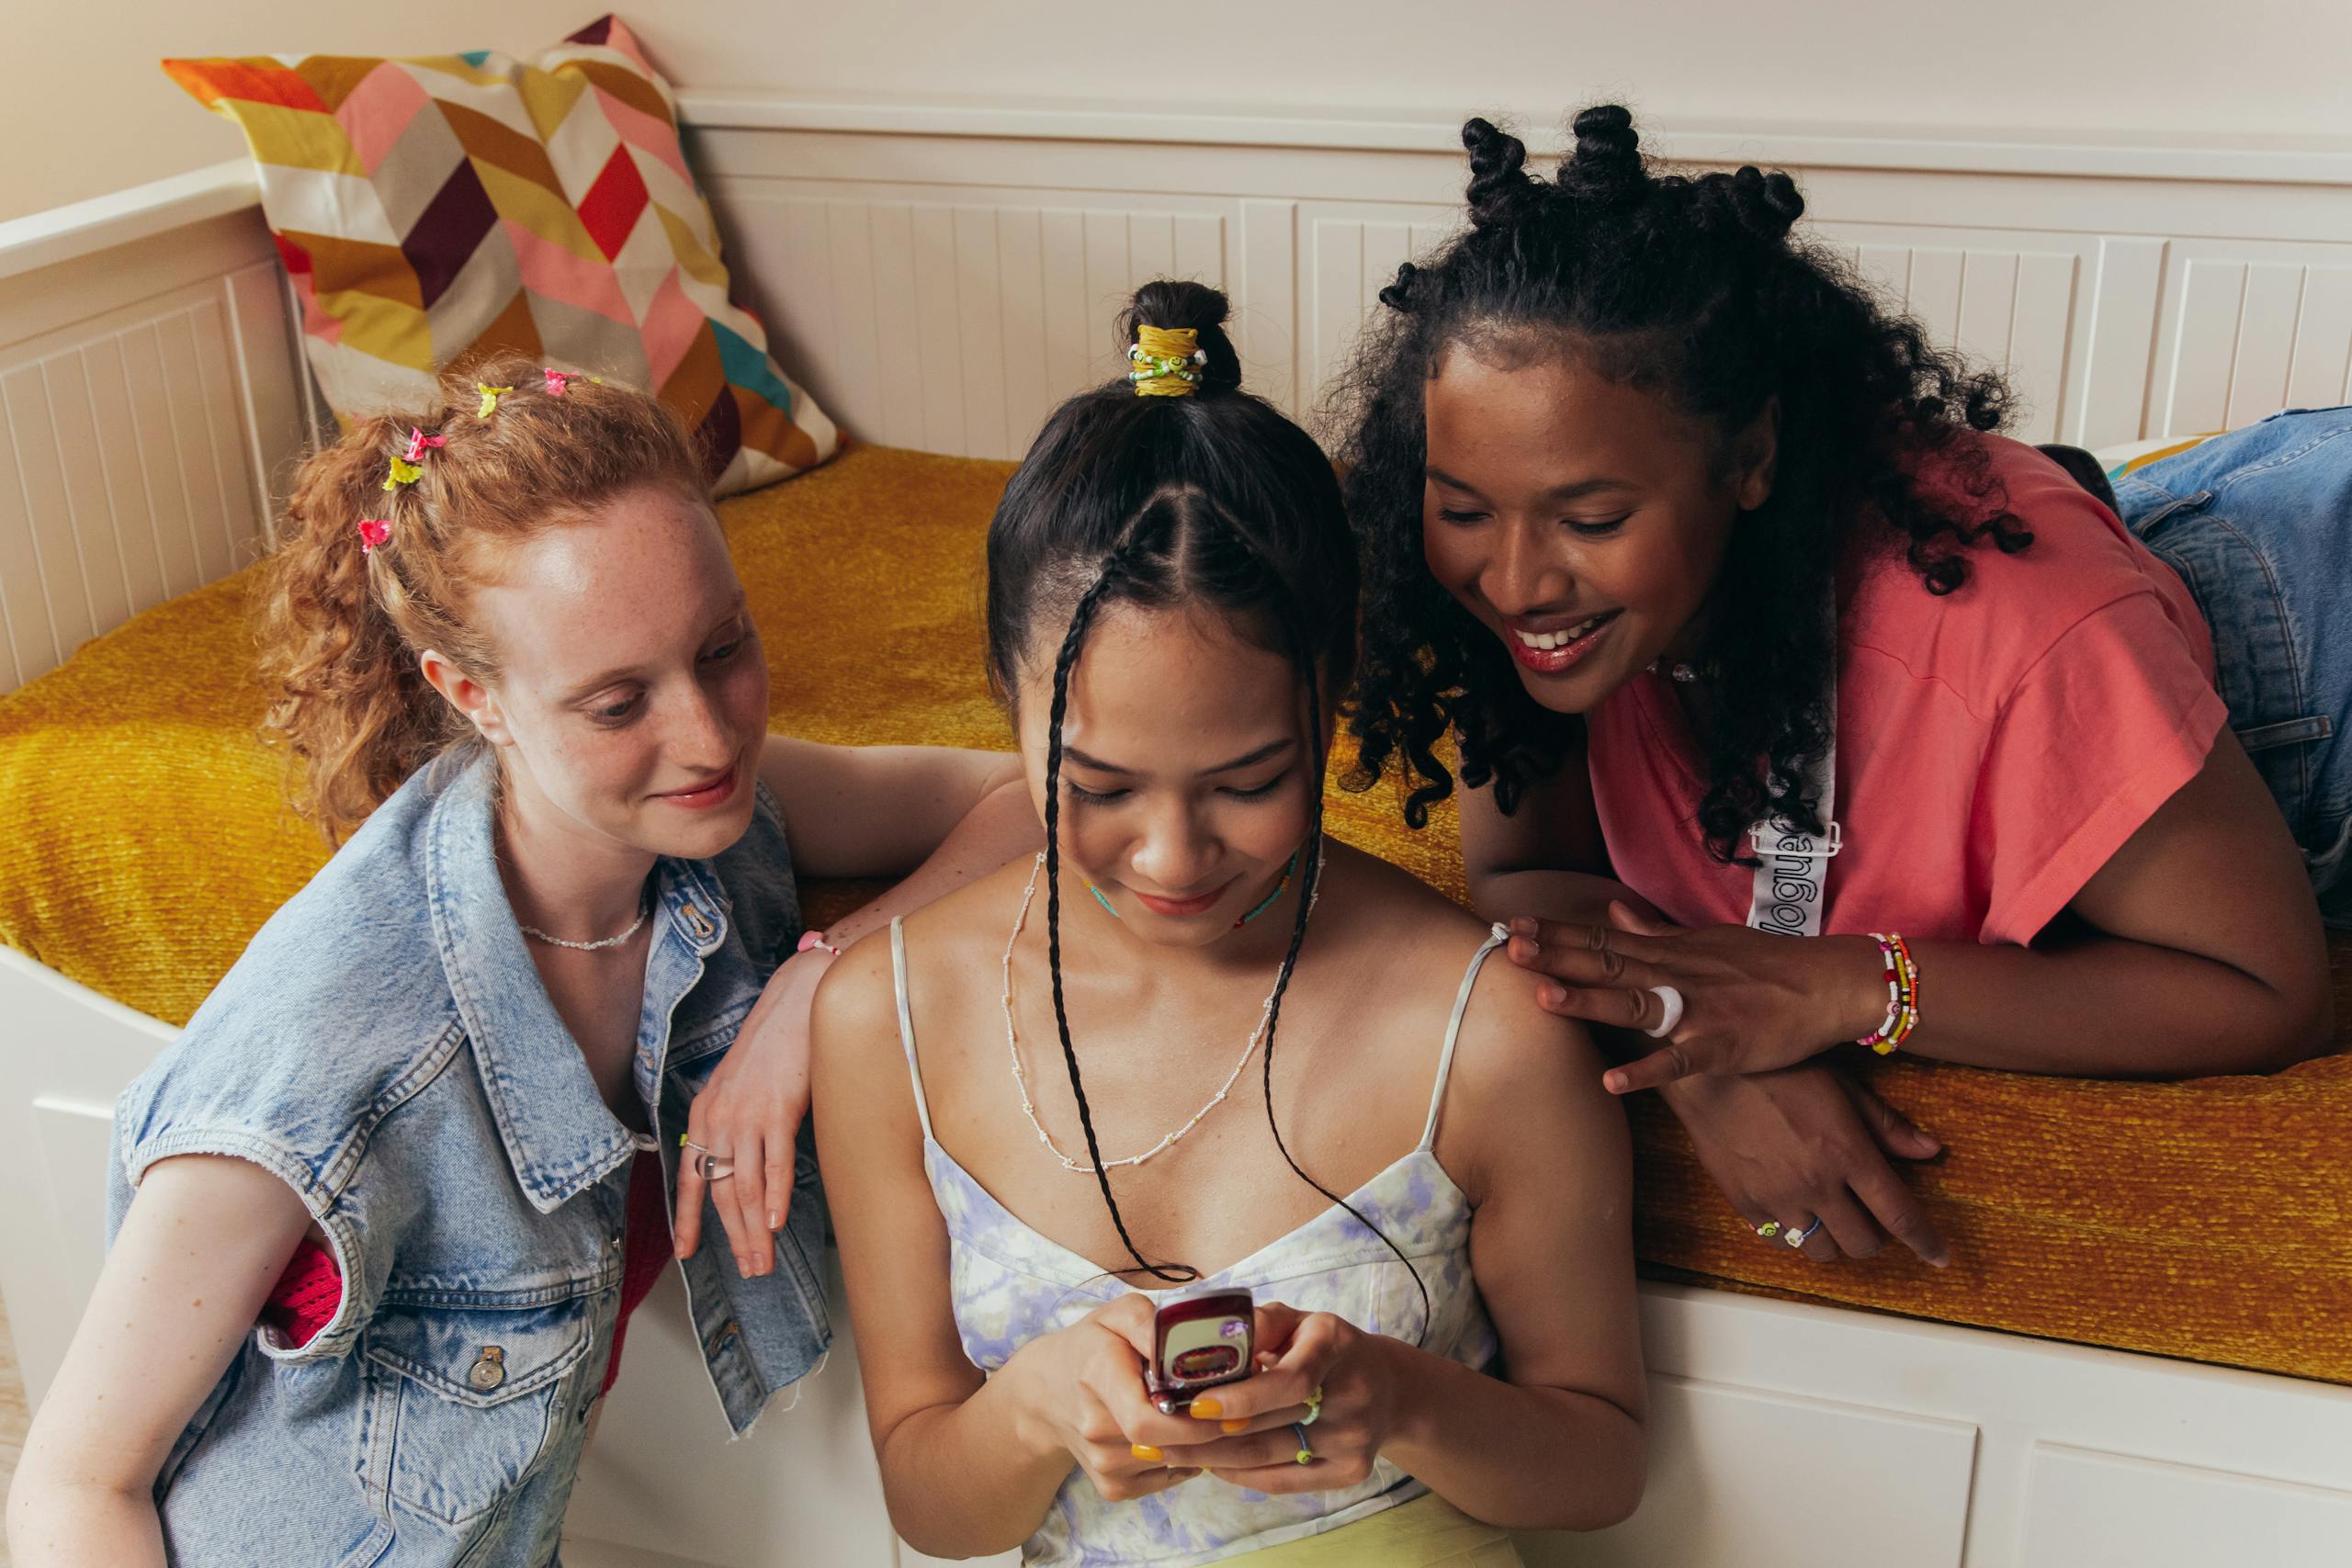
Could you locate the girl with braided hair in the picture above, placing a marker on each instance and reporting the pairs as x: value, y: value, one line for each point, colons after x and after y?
x: 1429, y: 1183
x: 1747, y: 623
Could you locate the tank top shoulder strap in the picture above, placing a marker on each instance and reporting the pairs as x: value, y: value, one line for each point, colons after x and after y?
x: 907, y: 1021
x: 1495, y: 938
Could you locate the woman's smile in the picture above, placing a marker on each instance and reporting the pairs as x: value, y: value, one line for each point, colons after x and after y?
x: 1183, y: 908
x: 1548, y: 645
x: 711, y: 792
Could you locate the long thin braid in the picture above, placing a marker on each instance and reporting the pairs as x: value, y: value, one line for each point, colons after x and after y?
x: 1307, y: 884
x: 1113, y: 570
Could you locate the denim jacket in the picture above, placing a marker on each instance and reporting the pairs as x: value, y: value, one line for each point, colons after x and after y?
x: 2258, y: 523
x: 385, y: 1048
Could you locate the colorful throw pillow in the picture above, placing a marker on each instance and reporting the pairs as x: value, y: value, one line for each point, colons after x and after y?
x: 436, y: 209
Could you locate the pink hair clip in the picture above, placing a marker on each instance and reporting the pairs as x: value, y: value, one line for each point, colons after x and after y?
x: 373, y: 531
x: 817, y: 939
x: 560, y: 381
x: 418, y: 441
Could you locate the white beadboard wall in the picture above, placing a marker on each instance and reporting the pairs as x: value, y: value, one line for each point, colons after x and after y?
x: 148, y: 399
x: 940, y: 275
x: 930, y: 303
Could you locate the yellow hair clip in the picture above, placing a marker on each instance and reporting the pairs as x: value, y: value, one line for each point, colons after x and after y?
x: 490, y: 396
x: 403, y: 473
x: 1167, y: 361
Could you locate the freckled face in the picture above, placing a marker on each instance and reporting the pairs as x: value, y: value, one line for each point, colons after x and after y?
x: 633, y: 698
x: 1184, y: 775
x: 1580, y: 520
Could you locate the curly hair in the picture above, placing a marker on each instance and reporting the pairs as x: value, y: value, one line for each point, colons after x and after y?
x: 1694, y: 288
x: 340, y: 626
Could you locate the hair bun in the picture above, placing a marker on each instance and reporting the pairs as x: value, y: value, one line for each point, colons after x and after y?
x: 1175, y: 306
x: 1398, y: 296
x: 1769, y: 204
x: 1498, y: 191
x: 1760, y: 205
x: 1607, y: 162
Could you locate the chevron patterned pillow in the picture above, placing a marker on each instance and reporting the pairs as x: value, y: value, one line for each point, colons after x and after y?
x: 435, y: 209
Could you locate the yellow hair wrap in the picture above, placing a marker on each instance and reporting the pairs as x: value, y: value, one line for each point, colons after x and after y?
x: 1168, y: 361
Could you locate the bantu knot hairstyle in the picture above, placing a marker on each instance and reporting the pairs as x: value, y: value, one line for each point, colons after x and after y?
x: 1694, y: 287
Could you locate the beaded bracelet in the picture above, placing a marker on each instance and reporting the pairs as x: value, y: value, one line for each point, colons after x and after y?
x: 1901, y: 996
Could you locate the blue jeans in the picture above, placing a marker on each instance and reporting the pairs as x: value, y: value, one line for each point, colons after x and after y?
x: 2258, y: 523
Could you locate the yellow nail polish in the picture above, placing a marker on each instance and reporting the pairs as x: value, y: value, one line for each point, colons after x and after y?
x: 1235, y: 1425
x: 1145, y: 1453
x: 1207, y: 1409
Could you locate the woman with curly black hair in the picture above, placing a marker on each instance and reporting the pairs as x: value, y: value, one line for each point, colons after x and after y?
x: 1746, y: 623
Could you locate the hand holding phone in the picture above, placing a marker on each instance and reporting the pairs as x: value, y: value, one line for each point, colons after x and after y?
x: 1198, y: 1342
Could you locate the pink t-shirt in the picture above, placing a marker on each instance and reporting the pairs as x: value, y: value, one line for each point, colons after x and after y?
x: 1996, y: 747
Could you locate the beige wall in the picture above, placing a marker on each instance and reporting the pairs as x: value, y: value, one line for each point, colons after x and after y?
x: 87, y: 111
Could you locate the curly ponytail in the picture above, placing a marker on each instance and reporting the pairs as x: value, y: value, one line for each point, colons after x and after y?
x: 343, y: 614
x: 351, y: 704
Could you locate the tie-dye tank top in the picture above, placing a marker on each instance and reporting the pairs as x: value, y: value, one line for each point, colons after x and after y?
x: 1010, y: 1285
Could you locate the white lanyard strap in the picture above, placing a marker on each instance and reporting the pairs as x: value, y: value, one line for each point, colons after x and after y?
x: 1791, y: 865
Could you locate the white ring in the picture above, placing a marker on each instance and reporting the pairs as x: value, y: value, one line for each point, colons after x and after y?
x: 1670, y: 1002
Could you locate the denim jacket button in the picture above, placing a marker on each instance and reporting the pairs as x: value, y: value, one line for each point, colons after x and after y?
x: 490, y: 1370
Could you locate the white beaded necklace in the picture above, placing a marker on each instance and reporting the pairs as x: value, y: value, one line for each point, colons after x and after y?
x: 1020, y: 1077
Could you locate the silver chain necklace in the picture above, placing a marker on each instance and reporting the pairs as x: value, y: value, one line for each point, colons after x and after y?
x: 645, y: 907
x: 1020, y: 1077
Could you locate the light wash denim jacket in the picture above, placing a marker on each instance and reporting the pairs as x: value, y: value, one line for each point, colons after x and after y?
x: 386, y: 1047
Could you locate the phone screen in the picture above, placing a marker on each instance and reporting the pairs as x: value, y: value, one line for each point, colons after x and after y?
x: 1201, y: 1341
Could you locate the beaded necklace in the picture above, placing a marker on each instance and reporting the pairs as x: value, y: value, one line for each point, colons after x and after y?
x: 1021, y: 1076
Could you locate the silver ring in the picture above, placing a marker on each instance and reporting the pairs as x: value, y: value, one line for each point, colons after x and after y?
x: 1798, y: 1238
x: 1670, y: 1001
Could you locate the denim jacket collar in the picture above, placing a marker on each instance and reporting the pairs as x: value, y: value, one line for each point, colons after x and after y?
x: 559, y: 1136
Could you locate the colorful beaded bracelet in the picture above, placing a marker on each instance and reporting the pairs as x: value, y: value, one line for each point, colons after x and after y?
x: 1902, y: 995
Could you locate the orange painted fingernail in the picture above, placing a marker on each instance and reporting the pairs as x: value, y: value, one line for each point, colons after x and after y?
x: 1145, y: 1453
x: 1207, y: 1409
x: 1238, y: 1425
